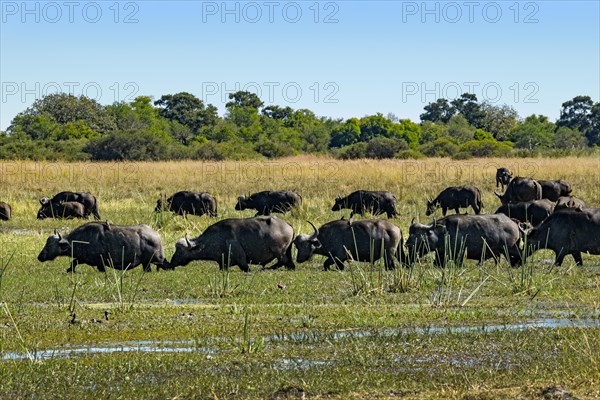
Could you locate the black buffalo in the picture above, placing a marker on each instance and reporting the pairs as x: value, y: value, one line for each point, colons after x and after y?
x: 102, y: 245
x: 568, y: 232
x: 521, y: 189
x: 552, y: 190
x: 184, y: 202
x: 456, y: 197
x: 87, y: 199
x: 568, y: 202
x: 269, y: 201
x: 363, y: 200
x: 533, y: 212
x: 503, y: 177
x: 5, y: 211
x: 479, y: 237
x: 66, y: 209
x: 239, y: 241
x: 342, y: 240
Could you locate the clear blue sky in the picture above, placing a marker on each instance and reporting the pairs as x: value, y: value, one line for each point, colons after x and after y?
x: 338, y: 58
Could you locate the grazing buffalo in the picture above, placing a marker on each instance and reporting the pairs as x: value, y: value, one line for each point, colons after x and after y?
x: 363, y: 200
x: 503, y: 177
x: 456, y: 197
x: 239, y: 241
x: 552, y: 190
x: 568, y: 232
x: 533, y: 212
x: 521, y: 189
x: 184, y: 202
x: 66, y: 209
x: 479, y: 237
x: 269, y: 201
x: 102, y: 245
x: 568, y: 202
x: 5, y: 211
x: 87, y: 199
x: 342, y: 240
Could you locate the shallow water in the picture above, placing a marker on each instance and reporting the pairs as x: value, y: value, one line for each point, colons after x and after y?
x: 187, y: 346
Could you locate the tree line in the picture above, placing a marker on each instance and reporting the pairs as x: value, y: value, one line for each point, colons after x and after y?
x: 181, y: 126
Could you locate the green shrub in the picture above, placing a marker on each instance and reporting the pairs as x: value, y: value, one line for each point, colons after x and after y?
x: 137, y: 145
x: 354, y: 151
x: 442, y: 147
x: 486, y: 148
x: 409, y: 154
x: 380, y: 147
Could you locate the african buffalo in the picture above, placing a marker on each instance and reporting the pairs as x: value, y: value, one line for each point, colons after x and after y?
x: 184, y: 202
x: 479, y: 237
x: 456, y: 197
x: 363, y: 200
x: 102, y: 245
x: 269, y: 201
x: 569, y: 231
x: 528, y: 211
x: 66, y: 209
x: 521, y: 189
x: 503, y: 177
x: 240, y: 241
x: 5, y: 211
x: 552, y: 190
x: 568, y: 202
x: 343, y: 240
x: 87, y: 199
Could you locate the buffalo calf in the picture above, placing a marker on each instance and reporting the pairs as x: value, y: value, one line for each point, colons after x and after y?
x: 456, y: 197
x: 269, y: 201
x: 185, y: 202
x: 361, y: 201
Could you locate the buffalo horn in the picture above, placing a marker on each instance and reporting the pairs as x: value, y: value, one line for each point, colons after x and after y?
x: 314, y: 227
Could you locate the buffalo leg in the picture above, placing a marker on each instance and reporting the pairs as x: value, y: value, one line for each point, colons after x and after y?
x: 237, y: 256
x: 333, y: 261
x: 288, y: 260
x: 577, y: 258
x: 73, y: 265
x: 444, y: 209
x: 389, y: 260
x: 560, y: 256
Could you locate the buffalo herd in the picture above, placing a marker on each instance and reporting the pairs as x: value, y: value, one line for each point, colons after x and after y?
x: 534, y: 214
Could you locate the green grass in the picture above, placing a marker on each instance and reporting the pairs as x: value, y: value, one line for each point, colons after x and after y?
x: 359, y: 333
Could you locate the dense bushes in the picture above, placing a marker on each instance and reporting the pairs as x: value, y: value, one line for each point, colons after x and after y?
x: 181, y: 126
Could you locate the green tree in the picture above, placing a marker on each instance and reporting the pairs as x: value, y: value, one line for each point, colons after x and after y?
x: 575, y: 113
x: 439, y: 111
x: 498, y: 120
x: 468, y: 107
x: 276, y: 112
x: 244, y: 99
x: 535, y: 131
x: 569, y: 139
x: 187, y: 110
x: 346, y: 134
x: 61, y: 109
x: 431, y: 131
x: 460, y: 129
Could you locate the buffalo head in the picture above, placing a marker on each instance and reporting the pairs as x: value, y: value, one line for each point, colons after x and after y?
x: 242, y: 203
x: 339, y: 204
x: 307, y: 245
x: 55, y: 246
x: 424, y: 238
x: 184, y: 250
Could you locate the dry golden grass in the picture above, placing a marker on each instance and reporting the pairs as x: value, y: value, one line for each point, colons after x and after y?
x: 317, y: 179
